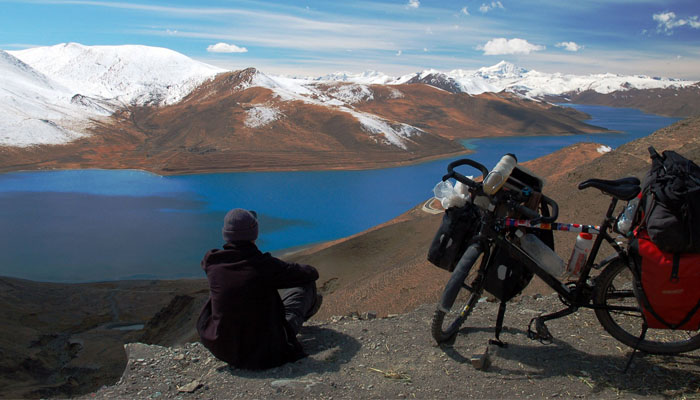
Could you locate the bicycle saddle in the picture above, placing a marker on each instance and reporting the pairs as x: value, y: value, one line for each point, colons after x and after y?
x: 623, y: 188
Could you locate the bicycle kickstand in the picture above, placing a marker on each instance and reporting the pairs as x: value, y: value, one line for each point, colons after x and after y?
x: 541, y: 331
x: 499, y: 326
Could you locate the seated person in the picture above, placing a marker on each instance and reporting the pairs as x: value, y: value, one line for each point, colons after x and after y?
x: 247, y: 322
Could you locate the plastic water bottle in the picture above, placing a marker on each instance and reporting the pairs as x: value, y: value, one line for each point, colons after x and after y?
x: 584, y: 243
x: 449, y: 196
x: 540, y: 252
x: 499, y: 174
x: 624, y: 223
x: 443, y: 189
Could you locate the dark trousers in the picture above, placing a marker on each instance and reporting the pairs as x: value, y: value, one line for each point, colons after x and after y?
x: 298, y: 304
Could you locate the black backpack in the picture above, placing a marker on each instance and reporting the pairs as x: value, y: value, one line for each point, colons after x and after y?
x: 671, y: 202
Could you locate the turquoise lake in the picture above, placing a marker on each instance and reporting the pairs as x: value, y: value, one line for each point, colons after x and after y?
x: 92, y: 225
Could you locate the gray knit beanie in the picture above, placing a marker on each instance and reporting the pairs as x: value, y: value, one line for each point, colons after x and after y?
x: 240, y: 225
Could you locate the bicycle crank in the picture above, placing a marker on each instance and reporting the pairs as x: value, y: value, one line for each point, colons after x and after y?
x: 541, y: 332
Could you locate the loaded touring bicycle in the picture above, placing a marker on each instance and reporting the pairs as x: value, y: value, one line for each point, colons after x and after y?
x: 501, y: 234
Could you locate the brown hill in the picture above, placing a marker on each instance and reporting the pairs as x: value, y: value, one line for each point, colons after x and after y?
x: 242, y: 121
x: 673, y: 102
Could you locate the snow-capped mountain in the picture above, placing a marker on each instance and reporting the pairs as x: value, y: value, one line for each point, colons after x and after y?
x: 529, y: 83
x: 129, y: 74
x: 51, y: 95
x: 34, y: 109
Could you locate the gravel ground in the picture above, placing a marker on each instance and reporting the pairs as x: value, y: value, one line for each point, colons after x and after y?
x: 395, y: 357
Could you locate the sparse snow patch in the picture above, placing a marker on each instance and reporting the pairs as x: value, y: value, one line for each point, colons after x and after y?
x: 351, y: 94
x: 395, y: 93
x: 396, y: 134
x: 260, y: 116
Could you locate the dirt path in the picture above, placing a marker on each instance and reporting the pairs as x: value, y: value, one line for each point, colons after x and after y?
x: 395, y: 357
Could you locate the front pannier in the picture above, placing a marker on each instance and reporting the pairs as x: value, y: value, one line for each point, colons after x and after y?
x: 459, y: 225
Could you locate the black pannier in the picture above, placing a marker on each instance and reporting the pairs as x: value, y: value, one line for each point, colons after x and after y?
x: 459, y: 225
x: 671, y: 202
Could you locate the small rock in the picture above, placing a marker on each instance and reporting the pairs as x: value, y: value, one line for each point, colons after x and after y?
x: 190, y: 387
x: 179, y: 357
x: 480, y: 359
x: 369, y: 315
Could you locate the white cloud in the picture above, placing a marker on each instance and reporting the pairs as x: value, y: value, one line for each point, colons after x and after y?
x: 464, y: 11
x: 486, y: 7
x: 226, y: 48
x: 501, y: 46
x: 667, y: 21
x: 413, y: 4
x: 569, y: 46
x: 398, y: 53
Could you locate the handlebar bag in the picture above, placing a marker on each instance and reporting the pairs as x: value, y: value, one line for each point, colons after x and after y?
x: 668, y: 285
x: 459, y: 225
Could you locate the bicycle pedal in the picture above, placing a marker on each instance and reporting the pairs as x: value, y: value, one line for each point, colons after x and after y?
x: 541, y: 332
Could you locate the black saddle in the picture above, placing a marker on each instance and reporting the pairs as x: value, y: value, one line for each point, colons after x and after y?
x: 622, y: 189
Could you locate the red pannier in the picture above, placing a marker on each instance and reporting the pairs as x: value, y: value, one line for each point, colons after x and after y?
x: 670, y: 284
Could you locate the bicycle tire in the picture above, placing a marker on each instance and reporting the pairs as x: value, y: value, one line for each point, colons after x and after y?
x: 614, y: 287
x: 455, y: 285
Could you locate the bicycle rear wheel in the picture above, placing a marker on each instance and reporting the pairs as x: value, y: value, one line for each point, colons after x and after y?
x: 465, y: 284
x: 615, y: 288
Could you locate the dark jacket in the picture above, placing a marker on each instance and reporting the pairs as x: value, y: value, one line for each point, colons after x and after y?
x: 243, y: 322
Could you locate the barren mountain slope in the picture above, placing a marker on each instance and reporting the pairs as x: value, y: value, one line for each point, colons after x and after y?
x: 244, y: 120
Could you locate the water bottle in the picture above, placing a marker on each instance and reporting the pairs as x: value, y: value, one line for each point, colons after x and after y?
x: 499, y: 174
x: 584, y: 242
x: 448, y: 196
x: 624, y: 223
x: 540, y: 252
x: 443, y: 189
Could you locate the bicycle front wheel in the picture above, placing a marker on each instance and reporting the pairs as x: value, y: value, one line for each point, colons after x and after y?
x: 621, y: 315
x: 466, y: 284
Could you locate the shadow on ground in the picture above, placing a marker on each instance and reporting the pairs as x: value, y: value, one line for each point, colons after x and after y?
x: 648, y: 374
x: 328, y: 350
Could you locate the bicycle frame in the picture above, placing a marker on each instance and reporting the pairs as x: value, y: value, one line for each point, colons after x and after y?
x: 578, y: 297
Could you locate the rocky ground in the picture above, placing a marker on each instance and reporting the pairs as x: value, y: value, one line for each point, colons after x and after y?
x: 395, y: 357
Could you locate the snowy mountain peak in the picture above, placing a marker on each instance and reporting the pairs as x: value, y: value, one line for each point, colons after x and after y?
x: 502, y: 70
x: 131, y: 74
x: 11, y: 65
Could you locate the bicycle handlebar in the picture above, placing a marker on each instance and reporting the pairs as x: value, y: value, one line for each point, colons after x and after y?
x: 465, y: 161
x: 534, y: 216
x: 530, y: 214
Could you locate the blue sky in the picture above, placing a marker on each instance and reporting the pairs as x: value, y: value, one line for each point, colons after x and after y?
x: 658, y: 38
